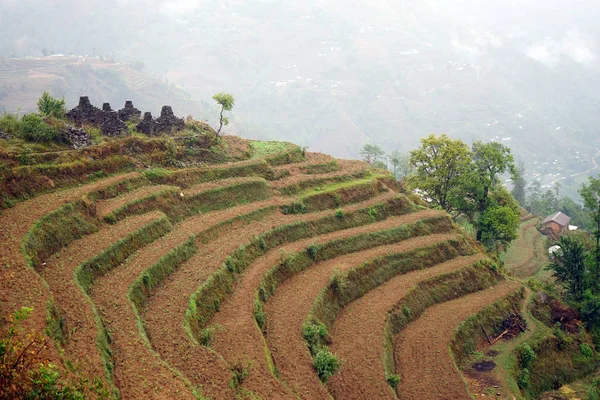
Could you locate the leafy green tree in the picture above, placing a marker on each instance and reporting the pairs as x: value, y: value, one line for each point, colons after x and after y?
x: 569, y: 267
x: 520, y: 185
x: 226, y: 101
x: 49, y: 106
x: 35, y: 129
x: 591, y: 200
x: 439, y: 164
x: 401, y: 164
x: 490, y: 160
x: 371, y: 153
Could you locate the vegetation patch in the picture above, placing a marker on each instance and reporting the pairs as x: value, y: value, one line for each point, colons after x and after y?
x: 312, y: 183
x: 177, y: 207
x: 192, y: 176
x: 118, y: 188
x: 56, y: 230
x: 481, y: 275
x: 324, y: 168
x: 205, y: 302
x: 465, y: 339
x: 336, y: 195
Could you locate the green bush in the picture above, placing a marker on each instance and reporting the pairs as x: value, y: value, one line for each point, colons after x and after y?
x: 393, y: 380
x: 34, y: 129
x: 314, y: 334
x: 51, y: 107
x: 312, y: 251
x: 339, y: 213
x: 527, y: 356
x: 586, y: 350
x: 523, y: 378
x: 326, y: 364
x: 10, y: 123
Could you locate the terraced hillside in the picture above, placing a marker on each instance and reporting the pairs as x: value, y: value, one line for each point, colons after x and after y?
x: 283, y: 275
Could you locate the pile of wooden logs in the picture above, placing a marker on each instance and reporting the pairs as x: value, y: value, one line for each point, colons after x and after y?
x: 511, y: 327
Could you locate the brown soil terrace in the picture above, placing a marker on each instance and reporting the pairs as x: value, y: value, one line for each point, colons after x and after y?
x: 291, y: 356
x: 154, y: 358
x: 240, y: 339
x: 357, y: 334
x: 421, y: 352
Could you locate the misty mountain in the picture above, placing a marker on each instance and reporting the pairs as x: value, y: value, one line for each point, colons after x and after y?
x: 334, y: 75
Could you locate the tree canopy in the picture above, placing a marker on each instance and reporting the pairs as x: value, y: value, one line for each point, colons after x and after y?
x: 371, y: 153
x: 226, y: 101
x: 439, y: 165
x: 49, y: 106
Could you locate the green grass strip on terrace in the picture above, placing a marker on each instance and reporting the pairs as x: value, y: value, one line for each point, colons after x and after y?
x: 335, y: 195
x: 178, y: 208
x: 311, y: 184
x: 57, y: 230
x: 324, y: 168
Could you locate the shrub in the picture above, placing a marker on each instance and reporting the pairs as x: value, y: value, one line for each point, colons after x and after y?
x: 527, y: 356
x: 314, y: 334
x: 259, y: 314
x: 207, y: 335
x: 326, y: 364
x: 297, y: 207
x: 337, y: 281
x: 33, y: 128
x: 523, y: 378
x: 49, y: 106
x: 23, y: 373
x: 339, y: 213
x: 240, y: 371
x: 393, y: 380
x: 10, y: 123
x: 586, y: 350
x: 312, y: 251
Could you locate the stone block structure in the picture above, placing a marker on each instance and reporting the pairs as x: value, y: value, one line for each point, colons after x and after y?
x: 112, y: 125
x: 147, y: 125
x: 168, y: 122
x: 129, y: 112
x: 76, y: 137
x: 86, y: 113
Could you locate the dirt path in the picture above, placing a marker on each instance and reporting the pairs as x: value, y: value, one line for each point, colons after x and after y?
x: 19, y: 284
x: 74, y: 306
x: 204, y: 186
x: 139, y: 371
x: 525, y: 257
x: 241, y: 340
x: 284, y: 337
x: 358, y: 334
x: 421, y: 352
x: 105, y: 207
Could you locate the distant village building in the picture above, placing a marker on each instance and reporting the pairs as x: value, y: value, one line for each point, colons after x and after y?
x: 555, y: 225
x: 552, y: 251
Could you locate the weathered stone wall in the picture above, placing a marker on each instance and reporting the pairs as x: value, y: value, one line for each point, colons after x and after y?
x: 129, y: 112
x: 147, y: 125
x: 168, y: 122
x: 112, y: 125
x: 86, y: 113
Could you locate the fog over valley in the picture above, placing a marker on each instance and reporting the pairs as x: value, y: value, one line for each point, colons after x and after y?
x: 329, y: 75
